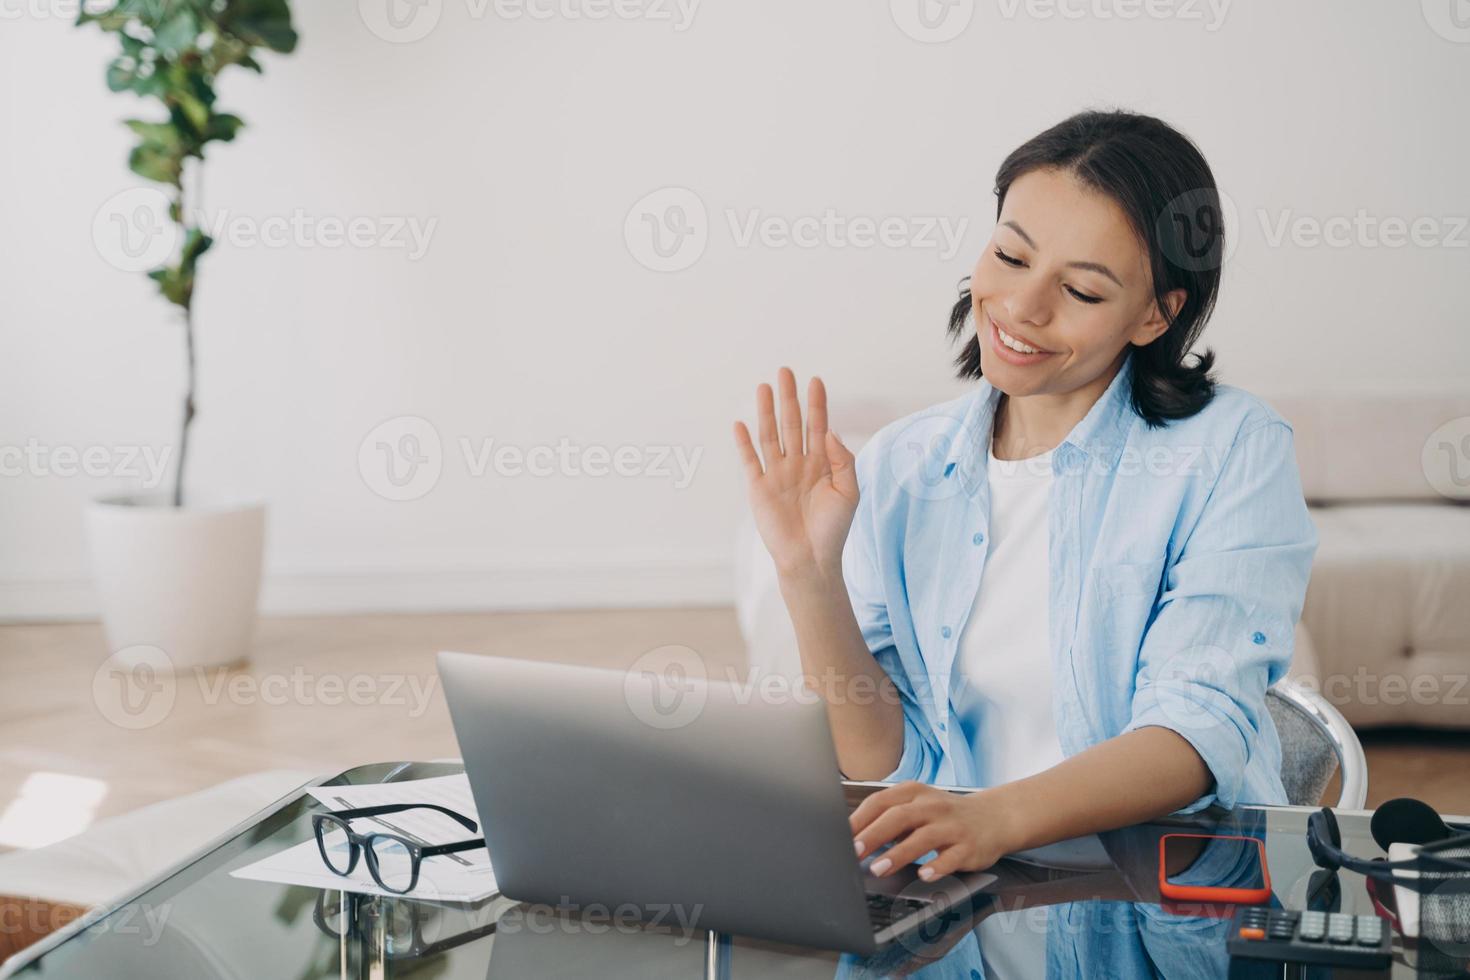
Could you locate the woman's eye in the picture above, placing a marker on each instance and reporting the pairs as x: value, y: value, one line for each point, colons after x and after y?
x: 1007, y: 259
x: 1084, y: 297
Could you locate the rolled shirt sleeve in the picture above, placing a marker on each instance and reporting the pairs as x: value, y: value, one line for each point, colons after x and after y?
x: 1223, y: 628
x: 863, y: 578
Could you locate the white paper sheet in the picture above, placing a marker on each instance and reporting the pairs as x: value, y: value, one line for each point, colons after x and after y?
x: 463, y: 877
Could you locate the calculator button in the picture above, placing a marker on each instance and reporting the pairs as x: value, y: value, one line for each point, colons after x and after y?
x: 1252, y: 932
x: 1282, y: 930
x: 1313, y: 930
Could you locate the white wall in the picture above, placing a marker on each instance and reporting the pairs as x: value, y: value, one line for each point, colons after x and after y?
x: 529, y: 320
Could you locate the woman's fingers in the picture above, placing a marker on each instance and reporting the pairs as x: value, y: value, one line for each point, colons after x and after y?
x: 748, y: 456
x: 816, y: 418
x: 948, y: 861
x: 765, y: 410
x: 879, y: 803
x: 790, y: 413
x: 923, y: 839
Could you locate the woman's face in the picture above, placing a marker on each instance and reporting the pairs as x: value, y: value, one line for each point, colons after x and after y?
x: 1064, y: 273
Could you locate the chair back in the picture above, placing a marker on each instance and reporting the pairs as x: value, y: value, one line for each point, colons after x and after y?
x: 1316, y: 741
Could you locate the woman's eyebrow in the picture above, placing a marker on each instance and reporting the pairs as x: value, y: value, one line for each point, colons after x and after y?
x: 1090, y: 266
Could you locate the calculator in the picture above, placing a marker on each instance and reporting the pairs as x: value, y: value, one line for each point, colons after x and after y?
x: 1326, y: 938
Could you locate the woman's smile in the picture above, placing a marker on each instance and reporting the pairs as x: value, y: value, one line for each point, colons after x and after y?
x: 1009, y: 354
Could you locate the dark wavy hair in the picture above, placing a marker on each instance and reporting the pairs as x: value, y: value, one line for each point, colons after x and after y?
x: 1163, y: 184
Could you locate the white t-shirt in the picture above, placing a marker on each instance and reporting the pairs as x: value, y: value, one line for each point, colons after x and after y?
x: 1003, y: 680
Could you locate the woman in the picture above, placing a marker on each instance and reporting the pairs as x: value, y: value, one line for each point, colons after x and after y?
x: 1072, y: 586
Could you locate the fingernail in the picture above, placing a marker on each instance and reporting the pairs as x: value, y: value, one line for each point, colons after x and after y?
x: 880, y: 867
x: 926, y: 873
x: 860, y: 847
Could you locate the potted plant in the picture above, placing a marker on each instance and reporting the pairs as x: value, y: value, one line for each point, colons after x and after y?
x: 172, y: 572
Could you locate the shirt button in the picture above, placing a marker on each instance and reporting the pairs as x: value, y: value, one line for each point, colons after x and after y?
x: 977, y: 538
x: 942, y: 726
x: 1258, y: 638
x: 945, y: 632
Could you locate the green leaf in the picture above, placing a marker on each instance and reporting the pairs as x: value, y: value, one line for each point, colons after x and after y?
x: 177, y: 34
x: 261, y: 22
x: 223, y: 126
x: 163, y: 137
x: 149, y: 161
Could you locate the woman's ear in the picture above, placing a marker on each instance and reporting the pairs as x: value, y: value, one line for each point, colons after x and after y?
x: 1151, y: 329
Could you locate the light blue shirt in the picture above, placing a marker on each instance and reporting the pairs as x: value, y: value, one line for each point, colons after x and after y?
x: 1178, y: 558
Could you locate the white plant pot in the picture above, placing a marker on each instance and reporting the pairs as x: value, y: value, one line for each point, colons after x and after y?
x: 183, y: 579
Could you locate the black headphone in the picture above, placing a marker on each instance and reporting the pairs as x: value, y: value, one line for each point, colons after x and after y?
x: 1397, y: 821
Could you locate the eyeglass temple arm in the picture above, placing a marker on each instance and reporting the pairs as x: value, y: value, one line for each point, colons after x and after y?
x: 464, y: 845
x: 377, y: 811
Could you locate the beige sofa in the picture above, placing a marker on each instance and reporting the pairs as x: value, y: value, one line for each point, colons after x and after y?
x: 1388, y: 606
x: 1385, y: 631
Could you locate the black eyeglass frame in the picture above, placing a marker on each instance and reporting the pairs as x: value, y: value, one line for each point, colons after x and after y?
x: 1431, y: 870
x: 358, y: 844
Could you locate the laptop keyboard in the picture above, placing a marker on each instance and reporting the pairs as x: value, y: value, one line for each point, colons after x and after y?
x: 884, y: 910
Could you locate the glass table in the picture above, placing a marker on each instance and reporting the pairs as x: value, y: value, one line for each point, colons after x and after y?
x: 1094, y: 919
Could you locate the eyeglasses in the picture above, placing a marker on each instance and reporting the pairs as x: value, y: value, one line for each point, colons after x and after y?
x: 393, y: 860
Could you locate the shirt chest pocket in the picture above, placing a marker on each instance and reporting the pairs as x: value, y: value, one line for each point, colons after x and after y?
x: 1123, y: 599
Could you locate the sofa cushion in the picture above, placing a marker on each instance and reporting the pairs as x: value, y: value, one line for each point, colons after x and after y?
x: 1388, y: 608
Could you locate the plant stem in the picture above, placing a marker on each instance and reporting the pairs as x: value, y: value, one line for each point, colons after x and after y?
x: 188, y: 417
x: 188, y: 405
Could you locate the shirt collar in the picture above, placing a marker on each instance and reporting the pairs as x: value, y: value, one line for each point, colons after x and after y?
x: 1099, y: 436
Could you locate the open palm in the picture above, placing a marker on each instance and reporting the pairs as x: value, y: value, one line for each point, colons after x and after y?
x: 802, y: 496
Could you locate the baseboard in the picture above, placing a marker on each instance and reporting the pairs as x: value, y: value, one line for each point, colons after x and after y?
x: 638, y: 583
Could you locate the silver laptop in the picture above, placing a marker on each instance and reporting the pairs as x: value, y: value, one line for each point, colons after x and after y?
x: 603, y: 789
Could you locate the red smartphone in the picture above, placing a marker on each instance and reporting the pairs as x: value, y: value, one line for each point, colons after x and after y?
x: 1245, y: 857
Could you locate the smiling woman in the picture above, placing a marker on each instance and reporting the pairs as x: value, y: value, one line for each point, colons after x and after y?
x: 1087, y: 642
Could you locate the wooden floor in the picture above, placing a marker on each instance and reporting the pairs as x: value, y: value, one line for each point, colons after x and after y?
x: 325, y: 693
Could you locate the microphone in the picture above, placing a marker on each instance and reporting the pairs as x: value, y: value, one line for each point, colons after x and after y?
x: 1407, y: 821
